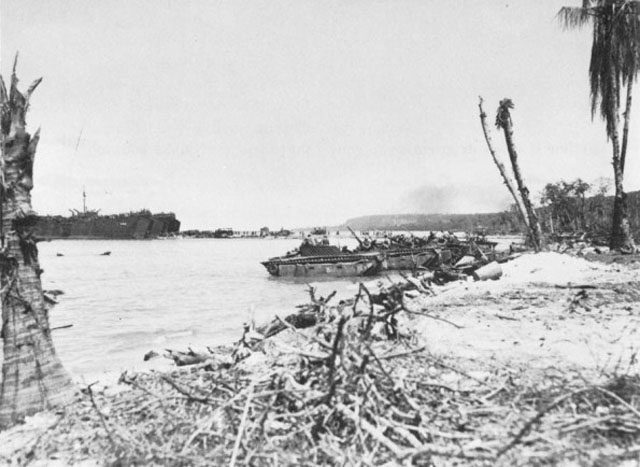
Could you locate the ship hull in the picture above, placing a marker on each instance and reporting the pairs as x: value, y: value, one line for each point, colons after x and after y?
x: 115, y: 227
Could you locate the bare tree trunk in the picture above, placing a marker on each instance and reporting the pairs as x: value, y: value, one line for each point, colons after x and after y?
x: 503, y: 121
x: 500, y: 165
x: 621, y: 238
x: 625, y: 130
x: 33, y: 378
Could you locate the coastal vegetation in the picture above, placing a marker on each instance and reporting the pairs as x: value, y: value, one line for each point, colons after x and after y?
x: 563, y: 208
x: 504, y: 122
x: 566, y: 205
x: 614, y: 65
x: 521, y: 197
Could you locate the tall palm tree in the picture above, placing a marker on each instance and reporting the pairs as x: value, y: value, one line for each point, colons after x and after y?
x: 33, y: 378
x: 503, y: 121
x: 614, y: 65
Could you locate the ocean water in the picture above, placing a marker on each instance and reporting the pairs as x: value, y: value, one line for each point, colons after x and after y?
x: 164, y: 294
x: 159, y: 294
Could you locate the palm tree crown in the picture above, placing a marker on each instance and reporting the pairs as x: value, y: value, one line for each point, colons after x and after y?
x: 615, y: 52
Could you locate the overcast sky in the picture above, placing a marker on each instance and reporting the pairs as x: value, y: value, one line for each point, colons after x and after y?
x: 246, y: 113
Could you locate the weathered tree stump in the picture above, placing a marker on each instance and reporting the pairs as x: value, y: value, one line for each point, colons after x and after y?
x: 33, y: 379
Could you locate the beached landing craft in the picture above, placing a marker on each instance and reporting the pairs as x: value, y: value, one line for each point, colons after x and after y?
x: 411, y: 258
x: 371, y: 257
x: 403, y: 253
x: 329, y: 260
x: 368, y: 264
x: 325, y: 260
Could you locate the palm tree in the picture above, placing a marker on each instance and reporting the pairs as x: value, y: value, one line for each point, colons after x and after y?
x: 33, y: 378
x: 503, y: 121
x: 615, y: 59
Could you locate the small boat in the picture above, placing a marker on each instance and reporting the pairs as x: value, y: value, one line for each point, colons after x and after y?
x: 319, y: 231
x: 223, y: 233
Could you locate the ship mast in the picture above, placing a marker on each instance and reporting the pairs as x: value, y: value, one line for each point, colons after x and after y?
x: 84, y: 200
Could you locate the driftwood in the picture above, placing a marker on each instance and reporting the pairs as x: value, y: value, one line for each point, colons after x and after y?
x: 212, y: 359
x: 186, y: 358
x: 355, y: 394
x: 306, y: 316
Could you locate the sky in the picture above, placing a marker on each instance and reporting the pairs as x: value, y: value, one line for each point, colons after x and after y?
x: 295, y: 113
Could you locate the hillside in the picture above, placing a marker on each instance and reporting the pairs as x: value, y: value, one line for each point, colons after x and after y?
x: 502, y: 222
x: 595, y: 214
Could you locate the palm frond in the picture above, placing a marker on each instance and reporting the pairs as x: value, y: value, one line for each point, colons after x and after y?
x: 574, y: 17
x: 32, y: 88
x: 503, y: 114
x: 13, y: 89
x: 3, y: 92
x: 615, y: 51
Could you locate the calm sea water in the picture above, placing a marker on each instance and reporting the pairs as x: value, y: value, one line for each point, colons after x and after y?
x: 163, y: 294
x: 152, y: 295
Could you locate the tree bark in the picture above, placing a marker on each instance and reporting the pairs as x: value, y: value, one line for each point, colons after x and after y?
x: 503, y: 121
x: 621, y: 238
x: 33, y: 379
x: 625, y: 130
x: 500, y: 165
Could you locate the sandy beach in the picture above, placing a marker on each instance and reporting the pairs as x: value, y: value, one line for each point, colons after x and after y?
x: 550, y: 325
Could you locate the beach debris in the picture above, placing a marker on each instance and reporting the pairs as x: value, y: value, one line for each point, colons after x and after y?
x: 579, y: 301
x: 150, y: 355
x: 358, y: 385
x: 491, y: 271
x: 306, y: 316
x: 465, y: 261
x: 212, y: 359
x: 446, y: 274
x: 49, y: 299
x: 54, y: 292
x: 245, y: 346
